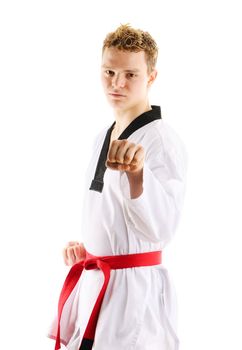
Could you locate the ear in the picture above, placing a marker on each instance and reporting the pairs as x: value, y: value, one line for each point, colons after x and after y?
x: 152, y: 77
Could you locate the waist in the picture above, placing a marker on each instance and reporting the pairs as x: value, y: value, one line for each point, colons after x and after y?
x: 122, y: 261
x: 105, y: 264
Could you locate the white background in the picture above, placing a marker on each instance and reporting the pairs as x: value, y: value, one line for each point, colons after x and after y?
x: 51, y: 108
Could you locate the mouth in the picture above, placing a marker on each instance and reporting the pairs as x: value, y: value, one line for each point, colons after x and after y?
x: 114, y: 94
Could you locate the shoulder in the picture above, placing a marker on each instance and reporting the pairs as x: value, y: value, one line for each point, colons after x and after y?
x: 163, y: 144
x: 162, y: 135
x: 170, y: 138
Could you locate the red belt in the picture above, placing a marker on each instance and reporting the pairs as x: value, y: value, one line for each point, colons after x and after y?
x: 104, y: 263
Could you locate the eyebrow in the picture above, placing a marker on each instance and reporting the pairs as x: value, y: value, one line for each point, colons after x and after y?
x: 135, y: 70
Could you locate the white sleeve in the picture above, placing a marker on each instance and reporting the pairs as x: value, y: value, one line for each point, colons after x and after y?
x: 155, y: 214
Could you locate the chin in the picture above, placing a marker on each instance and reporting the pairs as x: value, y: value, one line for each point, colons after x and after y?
x: 117, y: 104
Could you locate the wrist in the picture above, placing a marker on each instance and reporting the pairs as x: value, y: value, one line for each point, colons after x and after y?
x: 135, y: 175
x: 135, y: 183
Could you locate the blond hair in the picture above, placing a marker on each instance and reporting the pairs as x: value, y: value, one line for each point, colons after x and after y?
x: 126, y: 38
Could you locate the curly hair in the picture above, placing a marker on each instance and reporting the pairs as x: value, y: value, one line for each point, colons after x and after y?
x: 126, y: 38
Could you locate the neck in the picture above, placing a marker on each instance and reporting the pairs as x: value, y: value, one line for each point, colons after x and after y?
x: 124, y: 117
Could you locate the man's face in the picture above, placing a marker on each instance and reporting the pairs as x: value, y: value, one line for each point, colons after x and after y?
x: 125, y: 78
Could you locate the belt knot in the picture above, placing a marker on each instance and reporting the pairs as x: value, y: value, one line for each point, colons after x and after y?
x: 95, y: 263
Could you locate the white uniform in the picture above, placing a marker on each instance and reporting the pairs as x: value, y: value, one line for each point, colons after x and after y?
x: 139, y: 308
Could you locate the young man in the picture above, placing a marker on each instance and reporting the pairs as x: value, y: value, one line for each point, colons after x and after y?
x: 117, y: 295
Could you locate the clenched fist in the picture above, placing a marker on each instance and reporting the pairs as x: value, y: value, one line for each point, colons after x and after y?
x: 73, y: 253
x: 125, y: 156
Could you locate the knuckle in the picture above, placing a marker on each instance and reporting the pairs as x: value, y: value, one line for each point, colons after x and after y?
x: 119, y: 158
x: 124, y: 142
x: 127, y: 157
x: 115, y: 142
x: 111, y: 160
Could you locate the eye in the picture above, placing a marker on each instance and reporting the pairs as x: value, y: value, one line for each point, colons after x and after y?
x: 131, y: 75
x: 109, y: 72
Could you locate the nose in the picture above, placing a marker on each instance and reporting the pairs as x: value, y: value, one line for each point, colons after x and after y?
x: 118, y: 81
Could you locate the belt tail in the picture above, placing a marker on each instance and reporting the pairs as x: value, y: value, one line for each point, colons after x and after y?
x: 89, y: 334
x: 69, y: 284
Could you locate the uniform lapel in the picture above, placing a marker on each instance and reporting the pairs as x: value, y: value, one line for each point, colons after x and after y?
x: 143, y: 119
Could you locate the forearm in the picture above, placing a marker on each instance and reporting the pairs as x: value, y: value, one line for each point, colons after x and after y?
x: 135, y: 183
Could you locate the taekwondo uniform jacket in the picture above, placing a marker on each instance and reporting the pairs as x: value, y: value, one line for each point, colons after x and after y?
x: 138, y: 311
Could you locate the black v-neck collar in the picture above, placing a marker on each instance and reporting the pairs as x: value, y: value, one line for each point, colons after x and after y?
x: 143, y: 119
